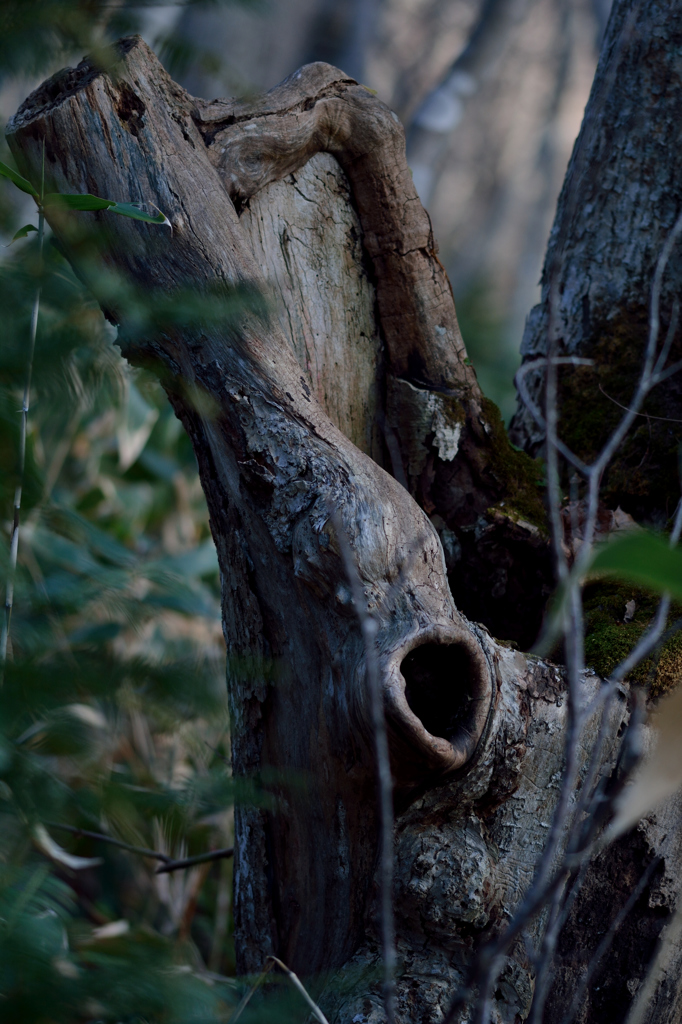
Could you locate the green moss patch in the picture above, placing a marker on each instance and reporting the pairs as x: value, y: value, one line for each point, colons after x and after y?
x: 643, y: 477
x: 610, y: 638
x: 519, y: 476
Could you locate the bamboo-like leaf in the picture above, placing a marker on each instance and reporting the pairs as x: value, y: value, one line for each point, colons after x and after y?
x: 22, y: 233
x: 642, y: 558
x: 89, y: 203
x: 84, y: 202
x: 54, y: 851
x: 16, y: 178
x: 661, y: 774
x: 112, y: 930
x: 133, y: 210
x: 137, y: 421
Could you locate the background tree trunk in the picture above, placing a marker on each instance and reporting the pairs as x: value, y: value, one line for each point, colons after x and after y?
x: 621, y: 197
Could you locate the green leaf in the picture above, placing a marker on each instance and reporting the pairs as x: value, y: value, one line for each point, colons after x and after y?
x: 642, y: 558
x: 22, y: 233
x: 90, y: 203
x: 77, y: 202
x: 17, y: 179
x: 133, y: 210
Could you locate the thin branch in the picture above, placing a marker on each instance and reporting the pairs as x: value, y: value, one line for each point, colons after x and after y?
x: 543, y: 972
x: 647, y: 381
x: 670, y: 372
x: 256, y: 985
x: 103, y: 838
x: 482, y: 968
x: 669, y: 338
x: 369, y: 628
x: 200, y: 858
x: 168, y: 864
x: 549, y: 881
x: 668, y: 943
x: 14, y: 536
x: 295, y: 981
x: 646, y: 415
x: 522, y: 388
x: 270, y: 962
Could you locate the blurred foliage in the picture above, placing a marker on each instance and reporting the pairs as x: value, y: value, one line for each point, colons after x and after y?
x: 483, y: 329
x: 37, y: 35
x: 642, y: 557
x: 113, y: 712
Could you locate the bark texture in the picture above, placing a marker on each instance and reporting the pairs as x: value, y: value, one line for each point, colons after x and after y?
x: 444, y: 440
x: 621, y: 197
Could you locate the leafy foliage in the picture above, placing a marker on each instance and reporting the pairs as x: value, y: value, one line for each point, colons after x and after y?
x: 113, y: 714
x: 643, y: 558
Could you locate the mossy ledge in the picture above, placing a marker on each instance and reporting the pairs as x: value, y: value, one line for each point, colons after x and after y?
x: 643, y: 477
x: 520, y: 477
x: 610, y: 638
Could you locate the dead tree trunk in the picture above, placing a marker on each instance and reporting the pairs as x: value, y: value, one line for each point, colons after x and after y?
x: 357, y: 385
x: 275, y: 465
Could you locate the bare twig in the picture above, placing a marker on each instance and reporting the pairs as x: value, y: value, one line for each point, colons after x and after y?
x: 200, y: 858
x: 522, y: 388
x: 668, y: 943
x: 273, y: 961
x: 543, y: 972
x: 295, y: 981
x: 256, y: 985
x: 168, y: 864
x: 582, y: 821
x: 103, y: 838
x: 646, y: 415
x: 369, y: 628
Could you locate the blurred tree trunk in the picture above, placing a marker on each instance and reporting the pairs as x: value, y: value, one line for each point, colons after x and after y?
x: 620, y: 200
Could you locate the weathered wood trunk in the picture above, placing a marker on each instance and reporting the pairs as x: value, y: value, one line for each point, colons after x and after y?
x: 274, y: 464
x: 353, y: 399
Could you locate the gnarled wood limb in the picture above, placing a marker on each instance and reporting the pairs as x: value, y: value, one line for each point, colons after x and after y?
x: 452, y: 451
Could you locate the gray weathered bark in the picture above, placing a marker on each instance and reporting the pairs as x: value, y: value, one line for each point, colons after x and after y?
x: 306, y: 192
x: 609, y: 231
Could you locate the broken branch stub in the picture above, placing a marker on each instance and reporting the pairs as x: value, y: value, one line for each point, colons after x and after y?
x: 272, y: 460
